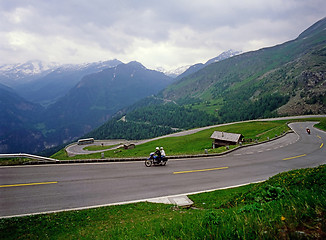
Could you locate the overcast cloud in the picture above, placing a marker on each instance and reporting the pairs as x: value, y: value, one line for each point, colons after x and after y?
x: 169, y: 33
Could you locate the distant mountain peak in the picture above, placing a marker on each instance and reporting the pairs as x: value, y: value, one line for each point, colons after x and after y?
x: 188, y: 69
x: 194, y: 68
x: 224, y: 55
x: 136, y: 64
x: 173, y: 72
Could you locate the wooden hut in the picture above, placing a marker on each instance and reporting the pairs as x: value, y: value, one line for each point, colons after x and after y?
x: 225, y: 139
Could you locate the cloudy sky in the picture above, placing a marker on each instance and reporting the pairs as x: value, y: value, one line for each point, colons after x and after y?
x: 157, y: 33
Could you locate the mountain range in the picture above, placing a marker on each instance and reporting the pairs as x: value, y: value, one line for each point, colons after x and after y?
x: 98, y: 96
x: 90, y: 102
x: 46, y: 83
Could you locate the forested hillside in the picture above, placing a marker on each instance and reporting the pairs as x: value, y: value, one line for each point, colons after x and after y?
x: 18, y: 118
x: 257, y: 84
x: 99, y: 96
x: 152, y: 121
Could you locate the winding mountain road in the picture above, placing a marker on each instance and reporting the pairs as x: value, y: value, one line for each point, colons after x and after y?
x: 36, y: 189
x: 75, y: 149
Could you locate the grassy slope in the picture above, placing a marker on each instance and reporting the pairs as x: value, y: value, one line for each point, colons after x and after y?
x: 322, y: 124
x: 290, y: 205
x: 198, y: 142
x: 194, y: 143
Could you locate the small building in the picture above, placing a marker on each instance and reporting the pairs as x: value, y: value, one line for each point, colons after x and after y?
x: 225, y: 139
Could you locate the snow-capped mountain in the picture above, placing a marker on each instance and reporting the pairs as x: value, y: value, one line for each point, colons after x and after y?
x: 13, y: 74
x: 194, y: 68
x: 47, y: 88
x: 224, y: 55
x: 94, y: 65
x: 188, y: 69
x: 173, y: 72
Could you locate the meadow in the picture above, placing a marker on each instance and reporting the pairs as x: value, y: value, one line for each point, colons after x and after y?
x: 193, y: 144
x: 257, y: 131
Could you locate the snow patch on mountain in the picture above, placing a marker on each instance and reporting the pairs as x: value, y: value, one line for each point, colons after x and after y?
x: 224, y: 55
x: 22, y: 70
x: 180, y: 70
x: 173, y: 72
x: 15, y: 74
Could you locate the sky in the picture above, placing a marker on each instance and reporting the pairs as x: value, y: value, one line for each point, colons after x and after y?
x: 156, y: 33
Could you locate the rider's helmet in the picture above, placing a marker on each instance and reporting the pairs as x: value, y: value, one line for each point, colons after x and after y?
x: 157, y: 148
x: 161, y: 148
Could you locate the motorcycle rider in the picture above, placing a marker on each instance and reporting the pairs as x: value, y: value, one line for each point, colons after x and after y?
x: 158, y: 154
x: 162, y: 152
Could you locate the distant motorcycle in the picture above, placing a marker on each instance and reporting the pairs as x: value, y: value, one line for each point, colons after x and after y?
x: 308, y: 130
x: 155, y: 160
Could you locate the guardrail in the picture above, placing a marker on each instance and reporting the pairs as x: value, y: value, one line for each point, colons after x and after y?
x: 25, y: 155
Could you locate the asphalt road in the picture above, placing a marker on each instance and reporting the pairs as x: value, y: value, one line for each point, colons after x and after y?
x: 45, y: 188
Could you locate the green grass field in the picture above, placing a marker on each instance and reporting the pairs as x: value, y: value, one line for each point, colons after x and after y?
x: 191, y: 144
x: 194, y: 143
x: 99, y: 147
x: 290, y: 205
x: 322, y: 123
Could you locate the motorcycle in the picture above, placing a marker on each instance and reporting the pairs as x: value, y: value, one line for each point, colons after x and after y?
x: 155, y: 160
x: 308, y: 130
